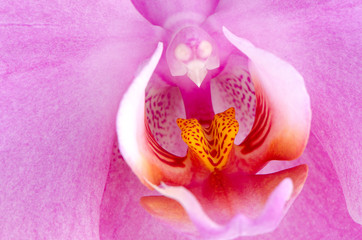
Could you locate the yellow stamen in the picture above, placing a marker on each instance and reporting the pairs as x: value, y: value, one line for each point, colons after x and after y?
x: 212, y: 145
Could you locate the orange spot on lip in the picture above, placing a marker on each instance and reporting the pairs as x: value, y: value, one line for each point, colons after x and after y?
x: 213, y: 144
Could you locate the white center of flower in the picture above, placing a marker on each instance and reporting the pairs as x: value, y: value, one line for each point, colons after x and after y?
x: 205, y: 49
x: 196, y: 71
x: 192, y: 52
x: 183, y: 52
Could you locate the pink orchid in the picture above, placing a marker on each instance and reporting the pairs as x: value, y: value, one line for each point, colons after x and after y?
x: 65, y: 67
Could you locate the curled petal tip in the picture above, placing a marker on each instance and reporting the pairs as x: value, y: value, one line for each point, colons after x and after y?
x: 283, y: 112
x: 130, y: 115
x: 239, y: 225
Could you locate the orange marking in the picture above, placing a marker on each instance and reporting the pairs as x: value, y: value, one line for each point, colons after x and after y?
x: 212, y: 145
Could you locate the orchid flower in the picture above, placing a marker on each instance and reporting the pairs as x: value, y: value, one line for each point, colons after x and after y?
x: 218, y: 172
x: 65, y: 67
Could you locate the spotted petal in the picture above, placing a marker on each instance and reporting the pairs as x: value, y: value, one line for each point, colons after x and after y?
x: 282, y: 118
x: 138, y: 145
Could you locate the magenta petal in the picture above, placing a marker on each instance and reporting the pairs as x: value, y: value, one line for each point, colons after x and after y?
x: 283, y: 115
x: 318, y: 213
x: 171, y: 13
x: 131, y: 128
x: 322, y: 41
x: 61, y: 80
x: 240, y: 225
x: 122, y: 216
x: 146, y: 158
x: 320, y: 210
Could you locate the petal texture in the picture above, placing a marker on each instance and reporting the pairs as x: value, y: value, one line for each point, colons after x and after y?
x: 170, y: 14
x: 122, y: 216
x: 58, y: 74
x: 319, y: 211
x: 223, y: 197
x: 322, y: 40
x: 240, y: 225
x: 233, y: 88
x: 138, y: 146
x: 163, y: 106
x: 283, y: 114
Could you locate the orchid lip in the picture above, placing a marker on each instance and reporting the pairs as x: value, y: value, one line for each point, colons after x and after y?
x: 239, y: 225
x: 211, y: 145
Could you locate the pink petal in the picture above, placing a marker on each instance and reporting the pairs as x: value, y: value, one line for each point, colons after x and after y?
x: 223, y: 196
x: 130, y: 118
x: 246, y: 194
x: 61, y: 79
x: 138, y: 146
x: 122, y: 216
x: 170, y: 14
x: 283, y: 115
x: 170, y: 212
x: 240, y: 225
x: 322, y: 41
x: 319, y: 212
